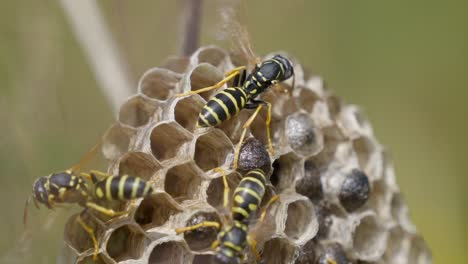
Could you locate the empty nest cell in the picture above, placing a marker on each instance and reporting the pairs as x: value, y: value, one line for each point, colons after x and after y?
x: 183, y: 181
x: 215, y: 191
x: 212, y: 55
x: 159, y: 83
x: 397, y: 246
x: 90, y: 260
x: 332, y: 252
x: 176, y: 64
x: 187, y: 110
x: 116, y: 141
x: 369, y: 239
x: 211, y: 149
x: 126, y: 242
x: 168, y: 252
x: 364, y: 148
x: 307, y: 99
x: 138, y: 164
x: 155, y: 210
x: 136, y: 111
x: 202, y: 76
x: 277, y: 251
x: 167, y: 140
x: 201, y: 238
x: 306, y: 253
x: 300, y: 218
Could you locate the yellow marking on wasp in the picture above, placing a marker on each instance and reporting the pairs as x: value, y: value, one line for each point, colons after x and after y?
x: 147, y: 187
x: 232, y: 99
x: 204, y: 120
x: 232, y: 246
x: 121, y: 187
x: 241, y: 211
x: 108, y: 188
x: 243, y: 92
x: 280, y: 64
x: 99, y: 193
x: 242, y: 102
x: 241, y: 225
x: 239, y: 199
x: 221, y: 103
x: 249, y: 191
x: 135, y: 186
x: 258, y: 172
x: 253, y: 207
x: 254, y: 91
x: 259, y: 182
x: 229, y: 253
x: 215, y: 115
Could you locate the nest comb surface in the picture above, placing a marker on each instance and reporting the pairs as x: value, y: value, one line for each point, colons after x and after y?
x: 339, y: 198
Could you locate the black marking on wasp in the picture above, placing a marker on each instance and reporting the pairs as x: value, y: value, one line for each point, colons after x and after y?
x: 233, y: 238
x: 67, y: 187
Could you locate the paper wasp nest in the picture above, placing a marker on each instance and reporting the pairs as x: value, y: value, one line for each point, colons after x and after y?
x: 338, y: 194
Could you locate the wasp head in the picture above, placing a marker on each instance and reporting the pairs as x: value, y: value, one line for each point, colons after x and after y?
x: 288, y: 68
x: 41, y: 191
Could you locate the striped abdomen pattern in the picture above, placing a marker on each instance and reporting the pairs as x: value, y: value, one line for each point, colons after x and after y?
x: 222, y: 106
x: 248, y: 194
x: 122, y: 188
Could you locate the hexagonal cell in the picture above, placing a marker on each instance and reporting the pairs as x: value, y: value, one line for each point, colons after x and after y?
x: 187, y: 110
x: 233, y: 127
x: 204, y: 75
x: 397, y: 246
x: 307, y: 253
x: 286, y: 170
x: 116, y: 141
x: 215, y: 191
x: 76, y: 237
x: 380, y: 199
x: 300, y: 220
x: 167, y: 140
x: 325, y: 212
x: 182, y: 182
x: 400, y: 213
x: 332, y: 252
x: 211, y: 149
x: 352, y: 122
x: 258, y: 127
x: 369, y: 239
x: 176, y: 64
x: 168, y: 253
x: 136, y: 111
x: 159, y: 83
x: 364, y: 148
x: 201, y: 239
x: 138, y: 164
x: 303, y: 135
x: 281, y: 101
x: 419, y: 252
x: 155, y: 210
x: 126, y: 242
x: 334, y: 104
x: 212, y: 55
x: 253, y: 155
x: 202, y: 259
x: 278, y: 251
x: 310, y: 185
x: 307, y: 99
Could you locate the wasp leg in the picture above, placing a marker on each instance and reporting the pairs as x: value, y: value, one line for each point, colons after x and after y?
x: 202, y: 224
x: 331, y: 261
x: 215, y: 244
x: 253, y: 245
x: 272, y: 200
x: 229, y: 75
x: 227, y: 190
x: 90, y: 231
x: 103, y: 210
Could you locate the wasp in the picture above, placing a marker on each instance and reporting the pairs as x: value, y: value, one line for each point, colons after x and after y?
x: 70, y: 187
x: 230, y: 101
x: 234, y: 237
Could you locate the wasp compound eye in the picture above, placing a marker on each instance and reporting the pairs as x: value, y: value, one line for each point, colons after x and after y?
x: 355, y: 190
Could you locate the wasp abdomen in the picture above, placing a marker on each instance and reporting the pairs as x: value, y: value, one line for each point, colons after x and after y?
x: 222, y: 107
x: 248, y: 194
x: 122, y: 188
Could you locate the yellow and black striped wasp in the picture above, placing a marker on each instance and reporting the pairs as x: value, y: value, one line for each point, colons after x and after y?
x: 234, y: 236
x: 244, y: 94
x: 86, y: 189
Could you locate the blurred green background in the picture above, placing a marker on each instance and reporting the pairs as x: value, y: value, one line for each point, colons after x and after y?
x: 404, y: 62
